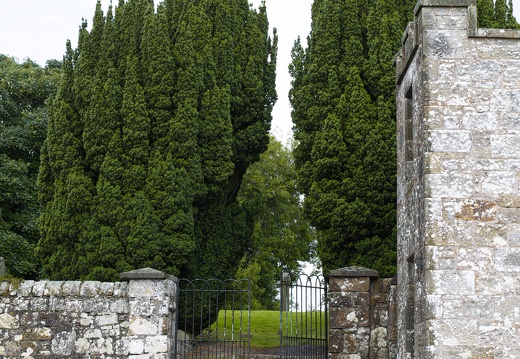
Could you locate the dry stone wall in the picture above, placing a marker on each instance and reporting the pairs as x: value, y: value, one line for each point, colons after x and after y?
x: 458, y: 130
x: 130, y: 319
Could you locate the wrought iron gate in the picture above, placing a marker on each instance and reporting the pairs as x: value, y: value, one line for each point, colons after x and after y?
x: 303, y: 317
x: 213, y: 319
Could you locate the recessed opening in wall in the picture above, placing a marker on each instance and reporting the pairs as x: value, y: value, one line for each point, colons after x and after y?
x: 410, y: 308
x: 408, y: 133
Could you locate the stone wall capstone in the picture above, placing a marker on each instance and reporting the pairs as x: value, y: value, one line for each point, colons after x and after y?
x: 71, y: 319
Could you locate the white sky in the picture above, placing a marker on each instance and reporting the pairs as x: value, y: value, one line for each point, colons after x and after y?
x: 38, y: 29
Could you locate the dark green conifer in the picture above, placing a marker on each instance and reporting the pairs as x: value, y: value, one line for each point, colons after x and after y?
x: 344, y: 114
x: 151, y: 132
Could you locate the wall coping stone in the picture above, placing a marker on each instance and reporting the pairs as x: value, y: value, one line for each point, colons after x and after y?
x: 354, y: 272
x: 146, y: 273
x: 443, y: 3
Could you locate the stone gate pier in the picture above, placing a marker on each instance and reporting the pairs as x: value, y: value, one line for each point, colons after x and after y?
x: 458, y: 134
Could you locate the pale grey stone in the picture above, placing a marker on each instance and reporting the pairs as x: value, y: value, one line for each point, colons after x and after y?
x: 450, y: 282
x: 136, y: 346
x: 505, y: 146
x: 453, y: 185
x: 157, y: 344
x: 63, y: 343
x: 53, y: 288
x: 507, y: 259
x: 141, y: 326
x: 450, y: 141
x: 90, y: 288
x: 71, y: 288
x: 480, y: 121
x: 39, y: 288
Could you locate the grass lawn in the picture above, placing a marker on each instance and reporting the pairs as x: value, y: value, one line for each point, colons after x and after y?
x: 265, y: 326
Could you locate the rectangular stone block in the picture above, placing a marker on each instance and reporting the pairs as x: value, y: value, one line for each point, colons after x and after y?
x: 451, y: 185
x: 507, y: 260
x: 343, y: 318
x: 445, y: 43
x: 486, y: 121
x: 500, y: 183
x: 156, y: 345
x: 450, y: 282
x: 450, y: 141
x: 505, y: 146
x: 349, y: 284
x: 452, y: 332
x: 337, y: 340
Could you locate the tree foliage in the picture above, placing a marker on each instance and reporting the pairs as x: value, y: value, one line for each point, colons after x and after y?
x: 496, y: 14
x: 24, y: 89
x: 343, y: 108
x: 281, y: 236
x: 157, y: 118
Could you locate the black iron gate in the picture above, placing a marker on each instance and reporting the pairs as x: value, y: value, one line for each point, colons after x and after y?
x: 213, y: 319
x: 303, y: 316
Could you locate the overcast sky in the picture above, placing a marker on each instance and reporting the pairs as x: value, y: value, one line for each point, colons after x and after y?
x: 38, y: 29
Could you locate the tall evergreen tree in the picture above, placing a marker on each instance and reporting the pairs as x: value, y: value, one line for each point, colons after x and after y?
x: 342, y: 98
x: 152, y: 130
x: 344, y: 114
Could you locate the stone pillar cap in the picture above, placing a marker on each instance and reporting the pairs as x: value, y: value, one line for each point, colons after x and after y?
x: 354, y: 272
x: 146, y: 273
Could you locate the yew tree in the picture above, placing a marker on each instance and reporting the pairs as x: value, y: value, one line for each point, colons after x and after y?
x: 159, y: 114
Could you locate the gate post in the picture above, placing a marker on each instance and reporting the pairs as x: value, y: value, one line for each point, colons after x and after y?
x: 152, y: 318
x: 349, y: 308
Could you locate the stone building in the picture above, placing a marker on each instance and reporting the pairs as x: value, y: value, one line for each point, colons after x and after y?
x: 458, y: 134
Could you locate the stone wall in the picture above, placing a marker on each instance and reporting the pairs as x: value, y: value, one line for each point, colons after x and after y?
x: 458, y: 131
x: 130, y: 319
x: 363, y: 313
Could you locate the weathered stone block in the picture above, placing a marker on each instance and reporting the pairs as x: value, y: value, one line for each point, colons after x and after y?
x: 53, y: 288
x: 341, y: 318
x: 39, y: 288
x: 475, y: 210
x: 141, y: 326
x: 63, y: 343
x: 158, y: 344
x: 500, y: 183
x: 507, y: 259
x: 71, y: 288
x: 450, y: 282
x: 445, y: 43
x: 90, y: 289
x: 450, y: 141
x: 454, y: 185
x: 337, y: 341
x: 480, y: 121
x: 505, y: 146
x: 345, y: 284
x: 136, y: 346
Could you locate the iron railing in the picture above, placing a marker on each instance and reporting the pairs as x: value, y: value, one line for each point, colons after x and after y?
x: 213, y: 319
x: 303, y: 317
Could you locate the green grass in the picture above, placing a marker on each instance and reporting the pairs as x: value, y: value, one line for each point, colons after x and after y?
x: 265, y: 326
